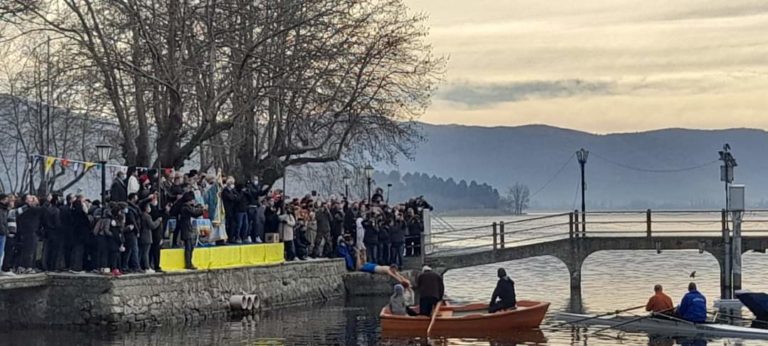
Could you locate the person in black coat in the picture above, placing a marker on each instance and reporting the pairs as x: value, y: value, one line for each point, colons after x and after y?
x: 384, y: 248
x: 397, y: 238
x: 30, y: 218
x: 371, y: 239
x: 232, y: 199
x: 149, y: 225
x: 504, y: 292
x: 131, y: 235
x: 80, y: 232
x: 55, y: 234
x: 119, y: 191
x: 271, y: 220
x: 337, y: 226
x: 188, y: 233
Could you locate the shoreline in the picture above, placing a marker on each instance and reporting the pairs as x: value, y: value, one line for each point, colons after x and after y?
x: 174, y: 298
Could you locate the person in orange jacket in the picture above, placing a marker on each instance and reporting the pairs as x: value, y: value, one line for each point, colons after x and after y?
x: 659, y: 302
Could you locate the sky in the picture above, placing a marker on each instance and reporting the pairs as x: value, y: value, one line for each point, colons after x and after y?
x: 601, y: 66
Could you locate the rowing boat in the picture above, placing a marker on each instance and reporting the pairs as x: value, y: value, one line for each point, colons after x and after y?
x: 666, y: 325
x: 466, y: 320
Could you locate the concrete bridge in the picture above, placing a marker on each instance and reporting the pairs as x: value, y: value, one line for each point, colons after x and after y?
x: 574, y: 246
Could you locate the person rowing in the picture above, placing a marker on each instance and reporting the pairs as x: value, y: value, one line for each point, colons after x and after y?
x: 693, y: 307
x: 660, y: 302
x: 504, y: 292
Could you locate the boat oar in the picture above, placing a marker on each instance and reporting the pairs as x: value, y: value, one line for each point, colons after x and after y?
x: 601, y: 315
x: 631, y: 321
x: 434, y: 318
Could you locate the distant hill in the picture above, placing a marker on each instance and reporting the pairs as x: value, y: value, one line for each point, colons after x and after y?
x: 627, y: 170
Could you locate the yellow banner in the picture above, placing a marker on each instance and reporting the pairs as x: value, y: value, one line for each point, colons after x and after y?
x: 49, y: 161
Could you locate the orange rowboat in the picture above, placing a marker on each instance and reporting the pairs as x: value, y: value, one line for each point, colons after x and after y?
x: 466, y: 320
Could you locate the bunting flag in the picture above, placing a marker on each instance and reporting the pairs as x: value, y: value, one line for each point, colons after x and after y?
x: 79, y: 167
x: 49, y: 161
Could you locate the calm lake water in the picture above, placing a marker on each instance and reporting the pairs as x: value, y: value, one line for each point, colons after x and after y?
x: 611, y: 280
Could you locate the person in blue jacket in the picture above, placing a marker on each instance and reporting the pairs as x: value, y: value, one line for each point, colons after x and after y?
x: 693, y: 307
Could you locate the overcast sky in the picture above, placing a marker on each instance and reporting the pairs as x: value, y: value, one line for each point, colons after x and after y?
x: 601, y: 65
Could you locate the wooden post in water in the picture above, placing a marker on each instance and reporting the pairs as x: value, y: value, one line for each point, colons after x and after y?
x: 501, y: 232
x: 570, y: 225
x: 648, y: 222
x: 495, y: 235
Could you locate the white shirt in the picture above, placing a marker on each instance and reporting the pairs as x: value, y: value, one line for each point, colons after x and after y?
x: 360, y: 234
x: 133, y: 185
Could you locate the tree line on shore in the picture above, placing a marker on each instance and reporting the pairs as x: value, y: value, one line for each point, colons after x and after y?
x: 252, y: 87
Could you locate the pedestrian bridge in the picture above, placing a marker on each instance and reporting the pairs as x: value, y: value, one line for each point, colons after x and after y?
x: 571, y: 238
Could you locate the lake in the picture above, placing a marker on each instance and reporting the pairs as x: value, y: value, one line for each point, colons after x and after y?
x: 611, y: 280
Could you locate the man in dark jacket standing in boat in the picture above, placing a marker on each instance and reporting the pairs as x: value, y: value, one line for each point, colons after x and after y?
x: 431, y: 290
x: 504, y: 292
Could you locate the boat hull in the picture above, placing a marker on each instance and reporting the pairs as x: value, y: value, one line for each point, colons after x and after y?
x: 672, y: 327
x: 467, y: 320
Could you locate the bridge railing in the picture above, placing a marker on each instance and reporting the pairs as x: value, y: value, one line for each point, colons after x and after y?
x: 574, y: 225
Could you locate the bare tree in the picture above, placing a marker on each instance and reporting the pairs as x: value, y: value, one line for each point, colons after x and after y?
x: 253, y: 86
x: 517, y: 199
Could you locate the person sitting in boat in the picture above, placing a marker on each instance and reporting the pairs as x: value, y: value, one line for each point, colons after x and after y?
x: 391, y: 270
x: 659, y: 302
x: 693, y: 307
x: 504, y: 292
x: 398, y: 304
x: 431, y: 290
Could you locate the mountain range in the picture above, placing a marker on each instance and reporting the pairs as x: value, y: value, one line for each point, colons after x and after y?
x: 669, y: 168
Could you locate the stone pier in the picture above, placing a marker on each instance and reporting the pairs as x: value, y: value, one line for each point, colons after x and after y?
x: 143, y: 300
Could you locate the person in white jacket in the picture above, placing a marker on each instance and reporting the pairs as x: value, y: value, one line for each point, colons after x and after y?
x: 133, y: 185
x: 360, y: 249
x: 287, y: 222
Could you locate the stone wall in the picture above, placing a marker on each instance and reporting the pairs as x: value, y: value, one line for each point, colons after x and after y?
x: 365, y: 284
x: 143, y: 300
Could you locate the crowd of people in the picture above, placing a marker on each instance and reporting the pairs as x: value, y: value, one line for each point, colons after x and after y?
x: 146, y: 210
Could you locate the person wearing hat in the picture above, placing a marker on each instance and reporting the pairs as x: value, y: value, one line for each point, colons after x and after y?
x: 188, y: 233
x: 504, y: 292
x: 431, y: 290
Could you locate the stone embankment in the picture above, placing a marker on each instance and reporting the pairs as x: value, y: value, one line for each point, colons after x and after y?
x: 145, y: 300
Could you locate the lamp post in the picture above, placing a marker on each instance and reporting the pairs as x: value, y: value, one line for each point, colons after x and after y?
x: 346, y: 186
x: 103, y: 152
x: 582, y: 156
x: 388, y: 187
x: 369, y: 175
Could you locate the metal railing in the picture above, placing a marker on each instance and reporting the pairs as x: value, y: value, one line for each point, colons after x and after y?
x: 573, y: 225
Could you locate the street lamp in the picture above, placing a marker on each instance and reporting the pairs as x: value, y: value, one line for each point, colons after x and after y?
x: 346, y: 186
x: 582, y: 156
x: 103, y: 152
x: 369, y: 175
x: 388, y: 187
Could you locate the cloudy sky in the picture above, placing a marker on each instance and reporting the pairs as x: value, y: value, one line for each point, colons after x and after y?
x: 601, y: 65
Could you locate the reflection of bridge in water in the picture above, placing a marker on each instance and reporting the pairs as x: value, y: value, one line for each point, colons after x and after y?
x: 563, y: 236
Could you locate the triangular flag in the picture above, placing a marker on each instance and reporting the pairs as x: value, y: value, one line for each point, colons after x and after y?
x: 64, y: 163
x: 49, y: 161
x: 89, y: 165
